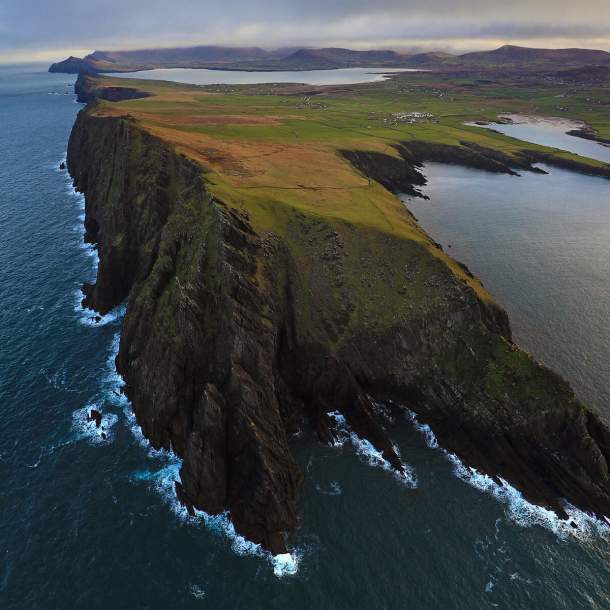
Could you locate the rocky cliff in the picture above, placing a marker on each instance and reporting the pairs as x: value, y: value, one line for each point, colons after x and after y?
x: 236, y: 336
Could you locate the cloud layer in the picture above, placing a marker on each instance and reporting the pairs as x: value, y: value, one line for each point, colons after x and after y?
x: 29, y: 28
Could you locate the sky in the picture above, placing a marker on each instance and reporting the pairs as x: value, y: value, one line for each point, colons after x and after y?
x: 51, y: 30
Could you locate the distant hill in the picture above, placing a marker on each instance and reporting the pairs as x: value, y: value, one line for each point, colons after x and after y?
x: 511, y: 54
x: 255, y: 58
x: 342, y: 58
x: 143, y: 59
x: 432, y: 58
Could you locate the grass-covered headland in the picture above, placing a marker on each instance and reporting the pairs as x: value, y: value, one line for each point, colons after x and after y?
x: 273, y: 276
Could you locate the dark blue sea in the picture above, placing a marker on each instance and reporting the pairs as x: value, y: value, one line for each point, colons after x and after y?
x: 88, y: 518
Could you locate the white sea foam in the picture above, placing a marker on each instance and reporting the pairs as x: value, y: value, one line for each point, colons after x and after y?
x: 424, y: 429
x: 368, y: 453
x: 517, y: 508
x: 87, y: 429
x: 163, y: 481
x: 88, y: 317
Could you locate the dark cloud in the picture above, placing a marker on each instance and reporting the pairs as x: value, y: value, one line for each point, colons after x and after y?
x: 41, y: 25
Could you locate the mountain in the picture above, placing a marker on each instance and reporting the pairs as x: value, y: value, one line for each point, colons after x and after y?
x: 511, y: 54
x: 255, y: 58
x: 342, y: 58
x: 433, y: 57
x: 143, y: 59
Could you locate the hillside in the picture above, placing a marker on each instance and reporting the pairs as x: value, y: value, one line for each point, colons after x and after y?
x: 511, y: 54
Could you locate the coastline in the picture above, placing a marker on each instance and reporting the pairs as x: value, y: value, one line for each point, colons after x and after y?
x: 234, y: 232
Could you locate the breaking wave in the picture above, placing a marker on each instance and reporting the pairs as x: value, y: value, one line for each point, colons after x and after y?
x: 163, y: 481
x: 368, y: 453
x: 579, y: 525
x: 89, y: 317
x: 86, y: 428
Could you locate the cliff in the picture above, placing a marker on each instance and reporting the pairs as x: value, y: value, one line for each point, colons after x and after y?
x: 239, y: 332
x: 87, y: 89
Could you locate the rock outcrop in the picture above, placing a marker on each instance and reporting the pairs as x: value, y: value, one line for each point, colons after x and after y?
x: 235, y: 337
x: 72, y: 65
x: 588, y: 133
x: 88, y: 89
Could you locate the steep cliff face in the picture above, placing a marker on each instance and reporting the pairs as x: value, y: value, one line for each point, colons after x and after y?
x: 88, y: 89
x: 234, y: 337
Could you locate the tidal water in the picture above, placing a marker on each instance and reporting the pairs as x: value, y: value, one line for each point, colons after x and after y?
x: 541, y: 246
x: 553, y: 133
x: 196, y: 76
x: 88, y: 521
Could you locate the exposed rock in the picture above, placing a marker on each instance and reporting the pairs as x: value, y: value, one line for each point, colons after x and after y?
x: 72, y: 65
x: 87, y: 89
x: 96, y: 416
x: 588, y: 133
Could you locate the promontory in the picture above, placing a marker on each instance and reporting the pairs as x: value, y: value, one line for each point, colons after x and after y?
x: 272, y: 275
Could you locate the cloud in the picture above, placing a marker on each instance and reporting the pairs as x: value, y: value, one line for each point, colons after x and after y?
x: 29, y: 27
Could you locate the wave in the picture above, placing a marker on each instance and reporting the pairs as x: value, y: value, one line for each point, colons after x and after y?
x: 86, y: 428
x: 163, y: 481
x: 579, y: 525
x: 89, y: 317
x: 368, y: 453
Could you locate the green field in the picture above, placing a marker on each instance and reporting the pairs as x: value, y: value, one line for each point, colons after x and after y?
x: 273, y: 150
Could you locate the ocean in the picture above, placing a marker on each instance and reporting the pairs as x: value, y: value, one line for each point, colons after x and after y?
x: 89, y: 520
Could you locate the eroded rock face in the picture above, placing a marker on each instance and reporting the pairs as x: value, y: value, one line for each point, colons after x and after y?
x: 87, y: 90
x: 233, y: 339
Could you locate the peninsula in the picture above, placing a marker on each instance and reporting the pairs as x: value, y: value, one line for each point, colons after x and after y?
x: 272, y: 275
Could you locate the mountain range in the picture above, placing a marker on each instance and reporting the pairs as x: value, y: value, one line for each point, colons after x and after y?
x: 255, y: 58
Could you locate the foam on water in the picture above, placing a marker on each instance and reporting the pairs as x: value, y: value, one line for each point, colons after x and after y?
x: 368, y: 453
x: 163, y: 481
x: 163, y: 478
x: 424, y: 429
x: 89, y: 317
x: 518, y: 509
x: 87, y: 429
x: 112, y: 382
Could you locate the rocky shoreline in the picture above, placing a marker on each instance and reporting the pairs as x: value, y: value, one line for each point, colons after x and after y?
x: 588, y: 133
x: 230, y: 343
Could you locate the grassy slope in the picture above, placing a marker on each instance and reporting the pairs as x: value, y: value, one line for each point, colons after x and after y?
x: 273, y: 151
